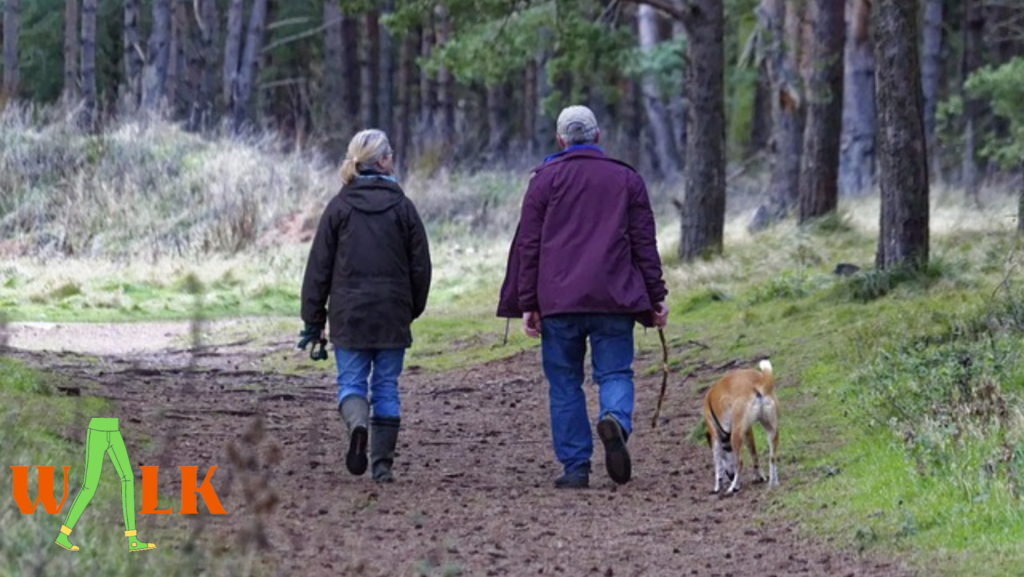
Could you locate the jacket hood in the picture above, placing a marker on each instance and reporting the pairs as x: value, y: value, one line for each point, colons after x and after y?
x: 372, y: 195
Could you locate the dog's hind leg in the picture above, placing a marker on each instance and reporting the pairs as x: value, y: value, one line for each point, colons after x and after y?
x: 758, y: 475
x: 736, y: 441
x: 773, y: 448
x: 716, y: 451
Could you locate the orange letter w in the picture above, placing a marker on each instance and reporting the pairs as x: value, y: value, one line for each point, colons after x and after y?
x: 25, y: 505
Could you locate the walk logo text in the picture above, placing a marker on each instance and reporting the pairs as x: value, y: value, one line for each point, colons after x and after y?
x: 103, y: 441
x: 190, y: 493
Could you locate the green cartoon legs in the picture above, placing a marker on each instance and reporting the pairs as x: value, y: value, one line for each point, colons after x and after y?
x: 104, y: 438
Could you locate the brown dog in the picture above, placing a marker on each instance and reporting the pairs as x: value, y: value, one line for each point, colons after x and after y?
x: 731, y: 407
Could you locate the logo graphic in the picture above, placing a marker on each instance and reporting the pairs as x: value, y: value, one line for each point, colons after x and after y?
x: 104, y: 439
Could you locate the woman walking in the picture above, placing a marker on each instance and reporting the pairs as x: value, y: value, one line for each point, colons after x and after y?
x: 370, y: 265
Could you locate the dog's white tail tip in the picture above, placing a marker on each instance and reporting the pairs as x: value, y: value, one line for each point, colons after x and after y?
x: 765, y: 366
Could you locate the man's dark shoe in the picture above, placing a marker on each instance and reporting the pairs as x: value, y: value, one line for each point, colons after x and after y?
x: 616, y: 457
x: 576, y: 479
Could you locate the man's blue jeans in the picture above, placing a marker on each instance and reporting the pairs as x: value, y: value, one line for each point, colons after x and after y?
x: 354, y: 374
x: 564, y: 347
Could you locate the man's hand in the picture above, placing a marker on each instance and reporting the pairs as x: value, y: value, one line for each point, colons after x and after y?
x: 661, y: 315
x: 531, y: 324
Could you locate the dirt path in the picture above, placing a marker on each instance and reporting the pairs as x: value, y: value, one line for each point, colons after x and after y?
x: 474, y: 469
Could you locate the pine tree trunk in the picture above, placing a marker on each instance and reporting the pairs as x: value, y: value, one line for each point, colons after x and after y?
x: 177, y: 90
x: 788, y: 110
x: 974, y: 27
x: 208, y: 22
x: 90, y: 106
x: 351, y: 87
x: 857, y: 157
x: 403, y: 118
x: 71, y: 28
x: 334, y: 68
x: 658, y: 122
x: 157, y: 56
x: 369, y: 65
x: 497, y: 118
x: 250, y: 63
x: 11, y: 33
x: 902, y: 158
x: 761, y: 124
x: 445, y: 82
x: 703, y: 207
x: 677, y: 108
x: 819, y: 168
x: 1020, y: 205
x: 232, y: 53
x: 428, y: 92
x: 385, y: 96
x: 529, y: 107
x: 931, y: 71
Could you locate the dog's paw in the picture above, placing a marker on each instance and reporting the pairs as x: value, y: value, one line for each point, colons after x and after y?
x: 759, y: 479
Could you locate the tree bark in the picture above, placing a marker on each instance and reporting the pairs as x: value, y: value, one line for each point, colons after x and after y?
x: 974, y: 28
x: 351, y: 87
x: 71, y: 28
x: 857, y: 156
x: 761, y: 124
x: 385, y: 102
x: 703, y: 207
x: 445, y: 82
x: 530, y: 107
x: 178, y: 91
x: 90, y: 112
x: 819, y: 168
x: 785, y: 21
x: 157, y: 56
x: 11, y: 33
x: 903, y: 160
x: 497, y: 118
x: 428, y: 90
x: 250, y: 63
x: 677, y: 108
x: 369, y: 66
x: 232, y: 52
x: 931, y: 72
x: 403, y: 119
x: 208, y: 22
x: 658, y: 121
x: 334, y: 70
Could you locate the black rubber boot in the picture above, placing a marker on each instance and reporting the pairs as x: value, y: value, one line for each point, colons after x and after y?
x: 355, y: 411
x: 383, y: 439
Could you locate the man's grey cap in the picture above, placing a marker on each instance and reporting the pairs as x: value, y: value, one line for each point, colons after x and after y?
x: 576, y: 122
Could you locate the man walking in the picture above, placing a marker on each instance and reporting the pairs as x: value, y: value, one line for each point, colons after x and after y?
x: 584, y: 263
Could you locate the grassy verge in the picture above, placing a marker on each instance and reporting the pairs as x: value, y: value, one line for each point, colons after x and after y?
x: 902, y: 429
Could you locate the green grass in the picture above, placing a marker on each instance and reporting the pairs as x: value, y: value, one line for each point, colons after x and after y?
x: 848, y: 475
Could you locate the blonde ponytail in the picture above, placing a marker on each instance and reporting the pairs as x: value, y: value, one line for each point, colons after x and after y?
x: 366, y: 149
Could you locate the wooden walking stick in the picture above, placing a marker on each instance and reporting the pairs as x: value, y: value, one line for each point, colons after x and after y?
x: 664, y: 376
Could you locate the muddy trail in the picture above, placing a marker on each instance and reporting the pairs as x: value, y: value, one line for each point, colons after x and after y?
x: 474, y: 471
